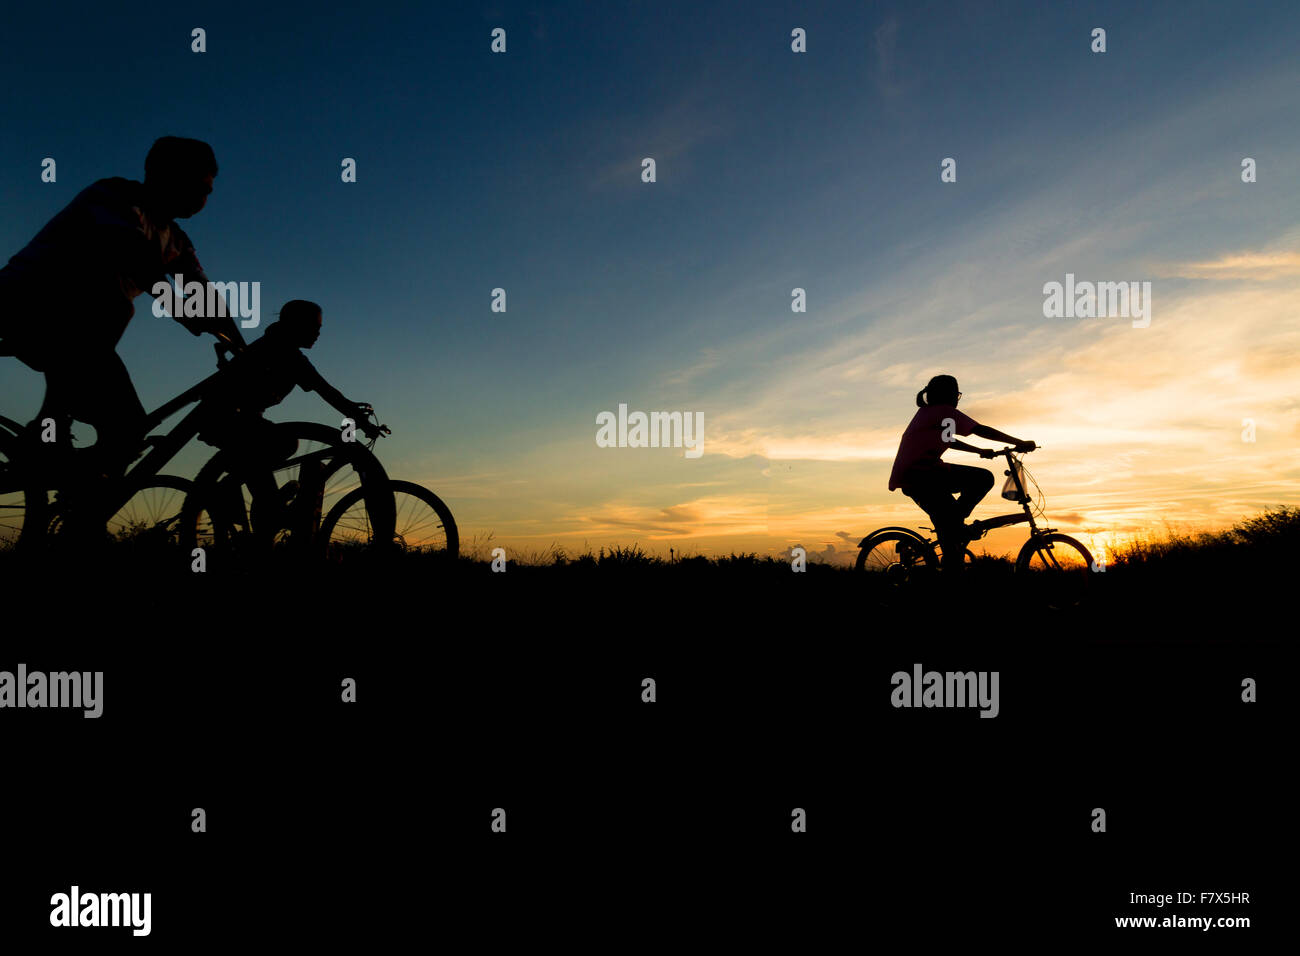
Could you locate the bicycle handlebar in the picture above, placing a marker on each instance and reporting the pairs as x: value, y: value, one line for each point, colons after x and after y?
x: 225, y: 343
x: 373, y: 419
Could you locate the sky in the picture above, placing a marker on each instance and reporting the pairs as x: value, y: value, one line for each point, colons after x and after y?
x: 775, y: 170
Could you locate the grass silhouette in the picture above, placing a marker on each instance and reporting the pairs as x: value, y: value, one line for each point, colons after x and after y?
x: 1170, y: 582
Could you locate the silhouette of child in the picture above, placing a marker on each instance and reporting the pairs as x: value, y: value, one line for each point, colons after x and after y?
x: 262, y: 375
x: 931, y: 482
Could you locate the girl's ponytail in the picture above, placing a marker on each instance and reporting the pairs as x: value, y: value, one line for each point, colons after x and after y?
x: 919, y: 402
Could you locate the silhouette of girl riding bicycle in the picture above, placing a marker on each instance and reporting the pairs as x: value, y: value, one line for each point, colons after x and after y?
x: 1049, y: 565
x: 923, y: 476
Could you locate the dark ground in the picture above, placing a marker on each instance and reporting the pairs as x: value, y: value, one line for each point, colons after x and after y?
x: 626, y: 820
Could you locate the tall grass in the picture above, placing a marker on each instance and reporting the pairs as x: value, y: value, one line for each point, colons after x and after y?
x: 1264, y: 537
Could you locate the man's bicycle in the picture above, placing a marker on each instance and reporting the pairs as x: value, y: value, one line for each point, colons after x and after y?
x: 1052, y: 566
x: 212, y: 511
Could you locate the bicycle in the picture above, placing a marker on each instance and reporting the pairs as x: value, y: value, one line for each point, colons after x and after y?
x: 144, y: 501
x: 1050, y: 565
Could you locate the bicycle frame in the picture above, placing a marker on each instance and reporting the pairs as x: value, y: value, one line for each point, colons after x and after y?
x: 316, y: 468
x: 1023, y: 496
x: 988, y: 524
x: 161, y: 448
x: 164, y: 448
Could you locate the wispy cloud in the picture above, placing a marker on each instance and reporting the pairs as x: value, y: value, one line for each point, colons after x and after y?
x: 1241, y: 265
x: 667, y: 135
x: 886, y: 47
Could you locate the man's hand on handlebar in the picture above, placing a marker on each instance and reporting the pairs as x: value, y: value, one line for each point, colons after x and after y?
x: 223, y: 329
x: 1025, y: 446
x: 364, y: 412
x: 195, y: 327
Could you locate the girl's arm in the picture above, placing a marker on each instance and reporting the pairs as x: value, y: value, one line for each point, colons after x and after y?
x: 992, y: 434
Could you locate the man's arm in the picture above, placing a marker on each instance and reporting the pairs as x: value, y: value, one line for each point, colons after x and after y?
x: 121, y: 235
x: 220, y: 323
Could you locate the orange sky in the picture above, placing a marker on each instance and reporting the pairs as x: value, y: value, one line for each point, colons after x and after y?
x: 1140, y: 428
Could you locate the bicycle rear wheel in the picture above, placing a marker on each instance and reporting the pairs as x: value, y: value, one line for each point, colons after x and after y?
x: 894, y: 557
x: 13, y: 493
x: 1055, y: 569
x: 152, y: 513
x: 29, y: 498
x: 423, y: 522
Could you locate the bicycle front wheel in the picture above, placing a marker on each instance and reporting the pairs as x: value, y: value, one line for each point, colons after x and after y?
x: 1055, y: 569
x: 423, y: 523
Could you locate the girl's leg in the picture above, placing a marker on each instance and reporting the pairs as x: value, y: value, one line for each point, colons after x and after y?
x: 938, y: 503
x: 972, y: 484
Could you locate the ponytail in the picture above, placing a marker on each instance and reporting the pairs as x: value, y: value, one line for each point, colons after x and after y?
x: 919, y: 402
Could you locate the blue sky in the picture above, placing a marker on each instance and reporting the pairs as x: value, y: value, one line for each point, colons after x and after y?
x: 775, y: 170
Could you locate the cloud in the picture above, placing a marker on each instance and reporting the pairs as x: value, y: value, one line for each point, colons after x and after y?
x: 1241, y: 265
x: 886, y: 45
x: 667, y: 135
x: 737, y: 514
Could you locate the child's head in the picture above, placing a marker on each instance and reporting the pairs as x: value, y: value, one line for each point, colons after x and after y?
x: 941, y: 390
x: 179, y: 172
x: 300, y: 320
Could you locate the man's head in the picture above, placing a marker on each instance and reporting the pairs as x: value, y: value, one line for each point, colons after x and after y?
x: 179, y: 173
x: 300, y: 320
x: 941, y: 390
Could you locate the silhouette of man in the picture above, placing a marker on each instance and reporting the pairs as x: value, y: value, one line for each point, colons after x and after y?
x: 930, y: 482
x: 67, y: 297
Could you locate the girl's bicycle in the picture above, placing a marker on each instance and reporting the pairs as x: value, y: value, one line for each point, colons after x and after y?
x: 1051, y: 566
